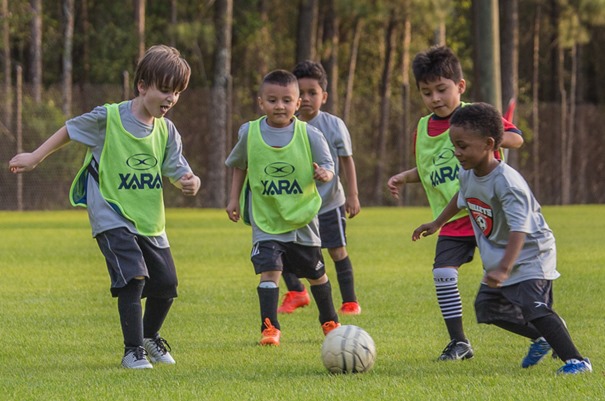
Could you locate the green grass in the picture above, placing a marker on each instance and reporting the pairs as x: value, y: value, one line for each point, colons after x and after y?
x: 61, y: 337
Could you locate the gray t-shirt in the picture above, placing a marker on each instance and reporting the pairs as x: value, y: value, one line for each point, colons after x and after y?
x: 279, y: 137
x: 89, y: 129
x: 499, y: 203
x: 339, y: 140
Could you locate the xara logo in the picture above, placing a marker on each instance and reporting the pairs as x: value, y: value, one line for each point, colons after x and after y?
x: 141, y: 161
x: 443, y: 174
x: 141, y: 181
x: 279, y: 169
x: 281, y: 187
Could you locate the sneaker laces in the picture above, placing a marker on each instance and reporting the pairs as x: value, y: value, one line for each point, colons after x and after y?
x: 161, y: 345
x: 449, y: 347
x: 270, y: 330
x: 139, y: 353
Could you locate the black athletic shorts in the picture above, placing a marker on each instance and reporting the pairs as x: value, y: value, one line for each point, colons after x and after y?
x: 303, y: 261
x: 519, y: 303
x: 454, y: 251
x: 130, y: 255
x: 332, y: 228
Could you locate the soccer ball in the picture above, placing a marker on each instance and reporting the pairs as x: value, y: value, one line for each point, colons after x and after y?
x: 348, y: 349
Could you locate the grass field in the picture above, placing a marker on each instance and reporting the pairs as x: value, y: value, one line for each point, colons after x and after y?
x: 61, y: 337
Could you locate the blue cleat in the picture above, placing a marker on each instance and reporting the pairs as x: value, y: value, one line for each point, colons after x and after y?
x: 574, y: 366
x: 537, y: 351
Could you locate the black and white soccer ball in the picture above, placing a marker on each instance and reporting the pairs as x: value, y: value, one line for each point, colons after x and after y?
x: 348, y: 349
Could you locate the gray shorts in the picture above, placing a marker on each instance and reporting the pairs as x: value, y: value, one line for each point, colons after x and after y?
x: 303, y: 261
x: 519, y: 303
x: 454, y: 251
x: 332, y: 228
x: 130, y: 255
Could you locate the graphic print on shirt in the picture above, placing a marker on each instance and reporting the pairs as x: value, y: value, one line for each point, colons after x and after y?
x: 442, y: 169
x: 281, y: 184
x: 482, y: 213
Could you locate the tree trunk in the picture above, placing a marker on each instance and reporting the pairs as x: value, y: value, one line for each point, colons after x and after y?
x: 140, y: 23
x: 536, y: 102
x: 173, y: 21
x: 404, y: 141
x: 487, y: 54
x: 330, y: 55
x: 564, y: 174
x: 68, y: 9
x: 385, y: 98
x: 567, y: 147
x: 216, y: 178
x: 357, y: 28
x: 509, y: 60
x: 7, y: 116
x: 307, y: 30
x: 36, y: 50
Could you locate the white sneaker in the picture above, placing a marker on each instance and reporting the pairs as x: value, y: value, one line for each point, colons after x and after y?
x: 158, y: 350
x: 135, y: 359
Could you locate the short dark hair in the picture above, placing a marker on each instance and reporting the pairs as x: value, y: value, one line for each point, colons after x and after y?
x: 163, y: 67
x: 482, y: 118
x: 279, y: 77
x: 434, y: 63
x: 313, y: 70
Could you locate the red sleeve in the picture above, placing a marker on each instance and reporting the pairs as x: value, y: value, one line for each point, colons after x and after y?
x: 508, y: 126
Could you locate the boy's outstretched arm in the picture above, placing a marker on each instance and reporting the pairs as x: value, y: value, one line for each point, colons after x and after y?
x: 237, y: 182
x: 397, y: 181
x: 28, y: 161
x: 431, y: 228
x: 189, y: 184
x: 352, y: 205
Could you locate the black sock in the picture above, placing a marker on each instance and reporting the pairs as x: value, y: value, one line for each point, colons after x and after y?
x: 268, y: 299
x: 525, y: 330
x: 156, y: 310
x: 554, y: 331
x: 322, y: 294
x: 293, y: 282
x: 131, y: 313
x: 344, y: 271
x: 455, y: 329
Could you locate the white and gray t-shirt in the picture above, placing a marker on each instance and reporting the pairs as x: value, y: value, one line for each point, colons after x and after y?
x: 499, y: 203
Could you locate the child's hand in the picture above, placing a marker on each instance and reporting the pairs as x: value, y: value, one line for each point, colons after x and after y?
x: 233, y: 211
x: 425, y: 230
x: 321, y: 174
x: 495, y: 278
x: 190, y: 184
x: 352, y: 206
x: 23, y: 162
x: 395, y: 184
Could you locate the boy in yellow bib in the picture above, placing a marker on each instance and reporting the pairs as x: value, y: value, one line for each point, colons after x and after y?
x: 130, y: 147
x: 275, y: 163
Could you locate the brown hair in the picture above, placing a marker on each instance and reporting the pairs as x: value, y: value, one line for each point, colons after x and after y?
x: 163, y: 67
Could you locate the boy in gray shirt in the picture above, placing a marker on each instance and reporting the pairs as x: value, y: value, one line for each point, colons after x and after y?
x: 516, y: 245
x: 276, y: 163
x: 130, y: 147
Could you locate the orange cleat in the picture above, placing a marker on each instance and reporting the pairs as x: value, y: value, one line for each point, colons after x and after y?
x: 294, y: 300
x: 329, y: 326
x: 350, y: 308
x: 271, y: 335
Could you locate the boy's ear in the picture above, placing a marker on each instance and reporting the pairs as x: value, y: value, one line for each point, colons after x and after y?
x: 461, y: 86
x: 491, y: 143
x: 324, y: 97
x: 141, y: 86
x: 260, y: 103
